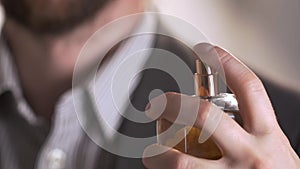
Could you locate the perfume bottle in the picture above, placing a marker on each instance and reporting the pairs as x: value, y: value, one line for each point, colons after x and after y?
x: 185, y: 138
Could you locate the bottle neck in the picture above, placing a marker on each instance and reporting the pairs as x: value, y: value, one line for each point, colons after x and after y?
x: 206, y: 85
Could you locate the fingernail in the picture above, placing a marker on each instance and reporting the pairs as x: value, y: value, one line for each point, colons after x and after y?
x: 203, y: 48
x: 148, y: 107
x: 207, y: 54
x: 147, y: 110
x: 156, y: 107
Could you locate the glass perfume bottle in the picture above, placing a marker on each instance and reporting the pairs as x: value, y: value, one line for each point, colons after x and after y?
x: 185, y: 138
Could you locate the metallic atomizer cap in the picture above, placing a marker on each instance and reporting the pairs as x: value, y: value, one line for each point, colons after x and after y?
x: 206, y: 81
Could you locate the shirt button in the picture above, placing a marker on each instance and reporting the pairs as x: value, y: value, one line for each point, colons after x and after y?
x: 56, y: 159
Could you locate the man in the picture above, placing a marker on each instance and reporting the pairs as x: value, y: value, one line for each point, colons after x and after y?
x: 43, y: 40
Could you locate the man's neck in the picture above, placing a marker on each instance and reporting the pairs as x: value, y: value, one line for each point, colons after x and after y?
x: 45, y: 63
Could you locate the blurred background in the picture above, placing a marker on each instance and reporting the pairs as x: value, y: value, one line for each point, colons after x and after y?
x: 264, y: 34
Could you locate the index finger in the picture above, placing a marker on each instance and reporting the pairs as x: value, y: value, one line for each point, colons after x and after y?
x: 255, y: 107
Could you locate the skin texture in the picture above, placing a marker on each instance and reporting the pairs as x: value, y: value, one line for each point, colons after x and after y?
x: 260, y: 144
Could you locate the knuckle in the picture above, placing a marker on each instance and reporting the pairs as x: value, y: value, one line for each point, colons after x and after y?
x: 251, y: 82
x: 182, y: 162
x: 256, y: 158
x: 225, y: 58
x: 261, y: 163
x: 268, y: 128
x: 171, y: 96
x: 250, y: 159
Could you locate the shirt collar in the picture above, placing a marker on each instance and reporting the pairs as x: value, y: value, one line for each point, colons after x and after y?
x: 110, y: 97
x: 8, y: 75
x: 9, y: 80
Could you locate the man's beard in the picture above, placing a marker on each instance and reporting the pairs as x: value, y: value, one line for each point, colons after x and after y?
x: 51, y: 16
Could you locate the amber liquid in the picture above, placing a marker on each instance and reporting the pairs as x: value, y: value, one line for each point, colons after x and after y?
x: 185, y: 139
x: 189, y: 141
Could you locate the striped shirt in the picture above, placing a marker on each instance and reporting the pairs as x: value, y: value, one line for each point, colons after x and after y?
x: 28, y: 141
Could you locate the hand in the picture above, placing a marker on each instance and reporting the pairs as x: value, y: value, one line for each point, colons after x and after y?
x: 259, y: 144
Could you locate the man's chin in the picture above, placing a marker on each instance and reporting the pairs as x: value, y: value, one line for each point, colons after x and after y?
x: 51, y: 18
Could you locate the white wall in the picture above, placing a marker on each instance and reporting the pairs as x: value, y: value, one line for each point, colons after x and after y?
x: 265, y: 34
